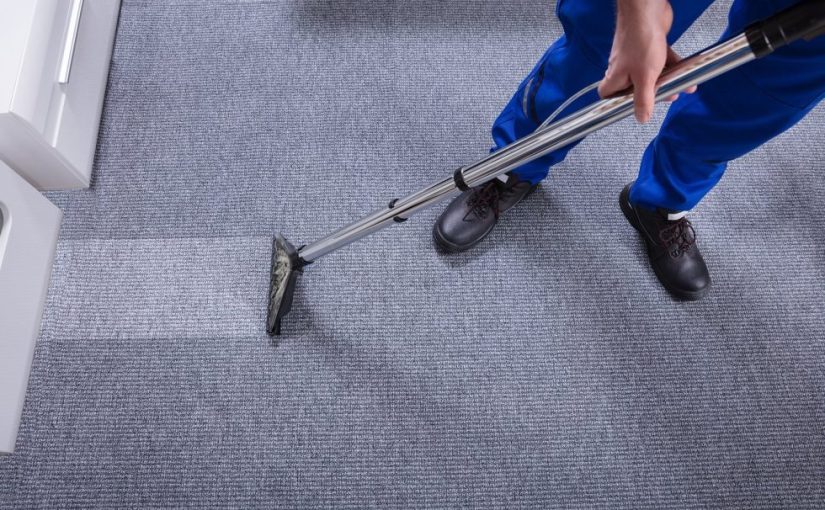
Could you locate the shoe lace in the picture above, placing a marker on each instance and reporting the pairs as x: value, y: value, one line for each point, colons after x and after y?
x: 678, y: 237
x: 484, y: 200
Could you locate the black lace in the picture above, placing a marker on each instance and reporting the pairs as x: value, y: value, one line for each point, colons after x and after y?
x: 484, y: 200
x: 678, y: 237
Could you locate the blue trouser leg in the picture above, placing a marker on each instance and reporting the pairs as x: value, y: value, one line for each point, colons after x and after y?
x: 730, y: 116
x: 576, y: 60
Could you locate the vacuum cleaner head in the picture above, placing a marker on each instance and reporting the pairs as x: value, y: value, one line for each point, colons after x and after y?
x: 284, y: 272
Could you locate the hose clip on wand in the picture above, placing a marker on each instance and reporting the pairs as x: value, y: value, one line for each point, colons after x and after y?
x: 805, y: 20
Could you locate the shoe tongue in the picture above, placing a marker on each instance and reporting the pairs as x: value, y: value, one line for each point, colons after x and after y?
x: 508, y: 180
x: 670, y: 215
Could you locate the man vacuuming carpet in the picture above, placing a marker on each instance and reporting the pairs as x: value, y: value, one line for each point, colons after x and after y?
x: 624, y: 43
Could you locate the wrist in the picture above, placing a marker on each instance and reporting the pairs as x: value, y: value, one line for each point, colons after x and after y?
x: 644, y: 15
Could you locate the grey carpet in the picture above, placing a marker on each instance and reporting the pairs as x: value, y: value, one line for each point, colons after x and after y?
x: 545, y: 369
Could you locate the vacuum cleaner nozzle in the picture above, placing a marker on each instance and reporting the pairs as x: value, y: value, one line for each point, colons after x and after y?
x: 284, y: 272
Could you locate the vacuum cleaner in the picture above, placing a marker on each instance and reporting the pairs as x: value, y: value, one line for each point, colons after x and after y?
x: 804, y: 20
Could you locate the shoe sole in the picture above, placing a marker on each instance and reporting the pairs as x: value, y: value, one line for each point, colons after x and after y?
x: 684, y: 295
x: 446, y: 246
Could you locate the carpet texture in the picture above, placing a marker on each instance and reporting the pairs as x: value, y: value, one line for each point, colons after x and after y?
x: 545, y: 369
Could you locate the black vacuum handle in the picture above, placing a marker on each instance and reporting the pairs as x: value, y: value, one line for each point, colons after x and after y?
x: 804, y: 20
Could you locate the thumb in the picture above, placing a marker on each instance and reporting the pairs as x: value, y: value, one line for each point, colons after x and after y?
x: 644, y: 92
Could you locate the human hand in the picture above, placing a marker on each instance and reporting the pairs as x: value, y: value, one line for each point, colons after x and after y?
x: 640, y: 52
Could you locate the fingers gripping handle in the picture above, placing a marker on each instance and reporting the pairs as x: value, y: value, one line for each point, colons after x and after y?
x: 805, y: 20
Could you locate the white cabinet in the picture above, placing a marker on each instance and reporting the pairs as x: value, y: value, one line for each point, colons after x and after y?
x: 54, y: 65
x: 29, y: 225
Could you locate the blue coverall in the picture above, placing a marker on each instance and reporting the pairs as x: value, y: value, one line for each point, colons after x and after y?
x: 726, y: 118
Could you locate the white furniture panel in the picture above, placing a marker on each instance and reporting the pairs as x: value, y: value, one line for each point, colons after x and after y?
x: 28, y: 237
x: 54, y: 67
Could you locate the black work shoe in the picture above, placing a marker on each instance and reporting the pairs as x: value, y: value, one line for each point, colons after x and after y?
x: 473, y: 214
x: 671, y: 248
